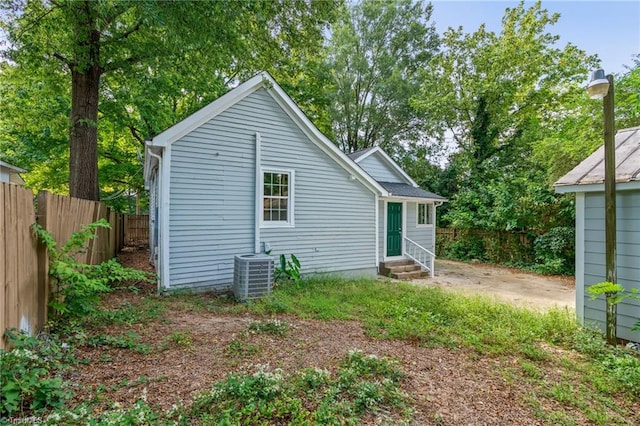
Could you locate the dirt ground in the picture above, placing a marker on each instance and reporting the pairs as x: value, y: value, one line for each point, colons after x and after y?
x: 446, y: 386
x: 504, y: 284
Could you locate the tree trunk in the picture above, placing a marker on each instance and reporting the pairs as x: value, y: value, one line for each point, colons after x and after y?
x: 85, y: 83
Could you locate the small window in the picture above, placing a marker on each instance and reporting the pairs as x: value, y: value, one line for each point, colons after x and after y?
x: 277, y: 208
x: 424, y: 214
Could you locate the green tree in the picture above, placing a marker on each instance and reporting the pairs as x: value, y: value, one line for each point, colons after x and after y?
x: 497, y: 96
x: 627, y: 96
x: 141, y: 64
x: 375, y: 54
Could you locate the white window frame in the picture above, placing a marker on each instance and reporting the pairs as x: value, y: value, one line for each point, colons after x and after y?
x: 429, y: 213
x: 290, y: 222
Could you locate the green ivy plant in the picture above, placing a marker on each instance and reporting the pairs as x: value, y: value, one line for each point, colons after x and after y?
x: 76, y: 286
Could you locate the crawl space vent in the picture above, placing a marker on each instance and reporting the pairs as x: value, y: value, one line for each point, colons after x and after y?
x: 253, y: 276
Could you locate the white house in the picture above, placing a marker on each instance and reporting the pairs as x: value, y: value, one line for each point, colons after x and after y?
x: 587, y: 181
x: 250, y: 173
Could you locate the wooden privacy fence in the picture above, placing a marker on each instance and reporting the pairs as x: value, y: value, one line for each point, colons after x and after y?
x: 24, y: 263
x: 136, y: 229
x: 22, y: 293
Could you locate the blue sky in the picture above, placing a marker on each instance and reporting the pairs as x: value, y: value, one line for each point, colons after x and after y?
x: 610, y: 29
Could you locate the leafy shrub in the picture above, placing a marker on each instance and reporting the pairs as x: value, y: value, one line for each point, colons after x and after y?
x: 27, y: 375
x: 625, y: 369
x: 77, y: 286
x: 288, y: 270
x: 554, y: 251
x: 466, y: 247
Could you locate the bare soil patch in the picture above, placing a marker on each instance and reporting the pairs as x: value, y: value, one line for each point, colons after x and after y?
x: 447, y: 386
x: 509, y: 285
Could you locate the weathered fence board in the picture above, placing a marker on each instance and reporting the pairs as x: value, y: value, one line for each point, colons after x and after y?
x: 24, y: 264
x: 136, y: 229
x: 19, y: 284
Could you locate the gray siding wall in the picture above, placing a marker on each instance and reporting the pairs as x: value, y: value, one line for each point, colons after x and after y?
x: 628, y: 258
x: 4, y: 175
x: 379, y: 170
x: 422, y: 235
x: 212, y: 196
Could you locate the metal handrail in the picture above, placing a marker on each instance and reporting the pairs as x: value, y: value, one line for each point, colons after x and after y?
x: 420, y: 255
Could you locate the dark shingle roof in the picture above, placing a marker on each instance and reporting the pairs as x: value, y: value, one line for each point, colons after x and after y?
x: 357, y: 154
x: 404, y: 190
x: 591, y: 170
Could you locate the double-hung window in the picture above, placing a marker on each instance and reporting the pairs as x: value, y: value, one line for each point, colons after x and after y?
x: 424, y: 214
x: 277, y: 197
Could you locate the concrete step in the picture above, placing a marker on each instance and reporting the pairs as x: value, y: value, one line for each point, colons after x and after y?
x: 405, y: 269
x: 414, y: 275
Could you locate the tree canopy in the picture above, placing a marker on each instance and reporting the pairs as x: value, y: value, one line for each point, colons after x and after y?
x: 124, y: 70
x: 487, y: 119
x: 375, y: 53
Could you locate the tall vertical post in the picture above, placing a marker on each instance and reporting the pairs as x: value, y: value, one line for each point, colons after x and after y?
x: 610, y: 208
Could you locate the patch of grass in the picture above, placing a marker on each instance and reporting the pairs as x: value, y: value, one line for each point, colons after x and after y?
x: 182, y: 339
x: 271, y: 326
x: 531, y: 370
x: 238, y: 348
x: 149, y: 309
x: 433, y: 317
x: 362, y: 385
x: 129, y: 340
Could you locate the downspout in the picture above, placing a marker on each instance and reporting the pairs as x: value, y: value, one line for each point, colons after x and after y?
x: 158, y: 222
x: 436, y: 204
x: 258, y: 195
x: 377, y: 219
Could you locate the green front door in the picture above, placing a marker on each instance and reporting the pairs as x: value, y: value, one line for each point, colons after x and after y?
x: 394, y: 229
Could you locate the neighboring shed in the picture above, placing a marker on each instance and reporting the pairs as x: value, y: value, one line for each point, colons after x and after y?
x: 10, y: 173
x: 587, y: 181
x: 250, y: 173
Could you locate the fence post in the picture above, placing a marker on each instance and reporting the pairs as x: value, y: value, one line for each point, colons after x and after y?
x: 43, y: 261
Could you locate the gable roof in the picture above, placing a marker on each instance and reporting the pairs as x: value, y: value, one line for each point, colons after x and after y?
x: 261, y: 80
x: 404, y: 190
x: 591, y: 170
x: 13, y: 172
x: 359, y: 156
x: 12, y: 167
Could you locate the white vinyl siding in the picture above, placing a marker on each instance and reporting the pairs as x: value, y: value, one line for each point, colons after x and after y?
x: 379, y: 170
x: 628, y: 253
x: 420, y: 234
x: 213, y: 195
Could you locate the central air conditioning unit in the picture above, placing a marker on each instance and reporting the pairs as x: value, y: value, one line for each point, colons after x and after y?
x: 252, y: 276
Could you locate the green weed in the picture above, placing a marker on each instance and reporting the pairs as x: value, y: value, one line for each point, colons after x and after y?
x: 182, y: 338
x: 129, y: 340
x: 237, y: 348
x: 363, y: 384
x: 270, y: 326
